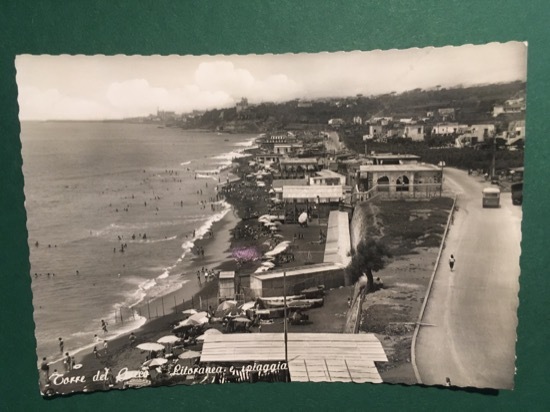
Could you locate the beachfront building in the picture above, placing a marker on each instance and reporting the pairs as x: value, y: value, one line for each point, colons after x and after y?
x: 296, y: 168
x: 226, y: 285
x: 338, y: 241
x: 267, y: 158
x: 287, y: 148
x: 269, y: 284
x: 277, y: 185
x: 405, y: 179
x: 313, y: 194
x: 312, y: 357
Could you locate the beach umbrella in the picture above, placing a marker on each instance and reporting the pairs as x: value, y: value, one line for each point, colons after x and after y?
x: 150, y: 346
x: 302, y: 218
x: 271, y: 191
x: 184, y: 324
x: 268, y: 264
x: 190, y: 354
x: 189, y: 312
x: 227, y: 304
x: 261, y: 269
x: 168, y: 339
x: 247, y: 305
x: 151, y: 363
x: 197, y: 317
x: 212, y: 332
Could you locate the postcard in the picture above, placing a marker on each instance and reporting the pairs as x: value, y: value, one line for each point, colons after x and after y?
x: 331, y: 217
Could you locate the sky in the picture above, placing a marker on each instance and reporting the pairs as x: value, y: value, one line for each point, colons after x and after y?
x: 113, y: 87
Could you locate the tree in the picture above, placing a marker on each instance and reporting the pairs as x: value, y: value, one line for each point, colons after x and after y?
x: 370, y: 256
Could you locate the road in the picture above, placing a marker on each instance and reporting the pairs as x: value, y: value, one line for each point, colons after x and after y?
x: 473, y: 309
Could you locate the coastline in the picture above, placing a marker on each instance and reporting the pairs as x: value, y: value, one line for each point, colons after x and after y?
x: 120, y: 354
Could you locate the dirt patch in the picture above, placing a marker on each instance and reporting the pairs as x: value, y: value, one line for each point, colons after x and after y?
x: 414, y: 231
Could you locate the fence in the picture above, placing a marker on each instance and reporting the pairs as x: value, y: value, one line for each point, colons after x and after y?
x: 353, y: 318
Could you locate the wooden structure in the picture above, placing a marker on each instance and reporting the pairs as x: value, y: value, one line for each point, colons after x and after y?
x: 226, y: 285
x: 297, y: 278
x: 312, y: 357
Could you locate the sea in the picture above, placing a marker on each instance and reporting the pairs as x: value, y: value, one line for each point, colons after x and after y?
x: 113, y: 212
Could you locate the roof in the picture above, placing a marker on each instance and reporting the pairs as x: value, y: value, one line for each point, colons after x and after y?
x: 328, y: 173
x: 312, y: 192
x: 383, y: 156
x: 299, y: 160
x: 321, y: 357
x: 227, y: 275
x: 337, y: 244
x: 491, y: 190
x: 299, y: 270
x: 288, y: 182
x: 409, y: 167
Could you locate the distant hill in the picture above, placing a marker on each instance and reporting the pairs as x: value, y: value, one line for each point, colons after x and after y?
x: 472, y: 104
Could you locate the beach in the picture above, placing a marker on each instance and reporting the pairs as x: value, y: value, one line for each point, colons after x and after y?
x: 121, y: 216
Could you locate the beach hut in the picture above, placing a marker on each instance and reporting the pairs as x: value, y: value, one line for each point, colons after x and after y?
x: 226, y: 285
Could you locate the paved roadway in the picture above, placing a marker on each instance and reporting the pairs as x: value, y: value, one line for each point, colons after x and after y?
x: 473, y: 309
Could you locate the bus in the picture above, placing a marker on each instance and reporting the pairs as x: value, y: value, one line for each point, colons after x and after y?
x: 517, y: 193
x: 491, y: 197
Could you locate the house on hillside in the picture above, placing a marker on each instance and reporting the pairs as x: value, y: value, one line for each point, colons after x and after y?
x: 446, y: 129
x: 414, y: 132
x: 482, y: 131
x: 446, y: 114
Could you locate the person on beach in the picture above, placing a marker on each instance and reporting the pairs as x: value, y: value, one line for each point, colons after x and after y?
x: 103, y: 326
x: 45, y: 368
x: 61, y: 345
x: 67, y: 362
x: 132, y: 339
x: 452, y: 262
x: 94, y: 351
x: 106, y: 347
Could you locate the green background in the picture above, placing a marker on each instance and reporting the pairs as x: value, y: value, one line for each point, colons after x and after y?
x: 242, y: 27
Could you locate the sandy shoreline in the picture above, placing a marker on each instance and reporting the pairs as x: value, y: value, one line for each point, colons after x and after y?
x: 119, y: 353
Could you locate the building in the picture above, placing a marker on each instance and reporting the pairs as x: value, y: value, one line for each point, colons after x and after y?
x: 327, y: 177
x: 287, y: 148
x: 414, y: 132
x: 226, y: 285
x: 516, y: 129
x: 277, y: 185
x: 376, y: 131
x: 313, y: 194
x: 357, y: 120
x: 266, y: 158
x: 336, y: 122
x: 312, y: 357
x: 338, y: 242
x: 270, y: 284
x: 446, y: 129
x: 242, y: 106
x: 409, y: 178
x: 446, y: 114
x: 482, y: 131
x: 391, y: 159
x: 299, y: 167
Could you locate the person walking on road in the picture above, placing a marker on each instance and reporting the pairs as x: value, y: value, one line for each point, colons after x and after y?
x: 452, y: 262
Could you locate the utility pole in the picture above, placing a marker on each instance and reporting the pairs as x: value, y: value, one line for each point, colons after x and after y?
x: 285, y: 322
